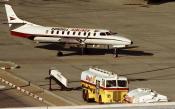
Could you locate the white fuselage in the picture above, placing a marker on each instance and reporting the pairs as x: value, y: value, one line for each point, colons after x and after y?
x: 22, y: 28
x: 72, y: 35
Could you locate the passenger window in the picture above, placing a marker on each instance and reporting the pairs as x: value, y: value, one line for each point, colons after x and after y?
x: 57, y: 32
x: 94, y: 34
x: 102, y: 34
x: 74, y: 33
x: 68, y: 32
x: 79, y: 33
x: 52, y: 32
x: 62, y: 32
x: 84, y: 33
x: 89, y: 34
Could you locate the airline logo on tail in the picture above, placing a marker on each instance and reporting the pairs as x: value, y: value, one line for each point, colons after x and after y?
x: 12, y: 18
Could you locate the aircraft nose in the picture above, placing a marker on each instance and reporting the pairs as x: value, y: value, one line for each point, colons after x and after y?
x: 125, y: 40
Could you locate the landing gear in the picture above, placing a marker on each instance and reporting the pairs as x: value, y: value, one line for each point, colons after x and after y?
x: 108, y: 47
x: 60, y: 53
x: 107, y: 50
x: 116, y: 52
x: 83, y: 49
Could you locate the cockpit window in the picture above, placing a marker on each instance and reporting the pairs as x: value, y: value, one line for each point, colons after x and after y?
x: 102, y: 34
x: 110, y: 33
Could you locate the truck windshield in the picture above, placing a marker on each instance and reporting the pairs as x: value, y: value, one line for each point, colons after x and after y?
x: 122, y: 83
x: 110, y: 83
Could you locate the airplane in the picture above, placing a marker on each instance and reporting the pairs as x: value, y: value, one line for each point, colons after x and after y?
x: 79, y: 36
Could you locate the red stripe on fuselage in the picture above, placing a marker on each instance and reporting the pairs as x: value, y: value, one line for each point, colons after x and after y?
x: 24, y: 35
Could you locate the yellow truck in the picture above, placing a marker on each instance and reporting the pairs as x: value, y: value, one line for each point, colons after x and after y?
x: 103, y: 86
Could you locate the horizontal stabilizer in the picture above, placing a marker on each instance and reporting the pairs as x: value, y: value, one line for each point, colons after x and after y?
x: 12, y: 23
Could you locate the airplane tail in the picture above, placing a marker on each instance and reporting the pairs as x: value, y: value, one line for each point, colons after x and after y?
x: 11, y: 16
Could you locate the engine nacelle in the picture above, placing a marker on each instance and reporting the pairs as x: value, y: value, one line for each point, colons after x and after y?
x: 47, y: 39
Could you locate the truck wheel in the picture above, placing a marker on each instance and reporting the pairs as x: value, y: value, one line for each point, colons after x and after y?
x: 100, y: 100
x: 84, y: 94
x: 87, y: 96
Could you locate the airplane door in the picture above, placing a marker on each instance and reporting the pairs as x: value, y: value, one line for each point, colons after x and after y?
x: 97, y: 87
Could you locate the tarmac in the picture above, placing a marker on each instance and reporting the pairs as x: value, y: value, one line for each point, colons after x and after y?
x: 11, y: 98
x: 150, y: 63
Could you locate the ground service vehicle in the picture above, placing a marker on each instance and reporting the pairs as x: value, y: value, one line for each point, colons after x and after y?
x: 103, y: 86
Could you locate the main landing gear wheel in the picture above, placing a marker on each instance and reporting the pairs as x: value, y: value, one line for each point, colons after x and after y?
x: 116, y: 52
x: 83, y: 48
x: 60, y: 53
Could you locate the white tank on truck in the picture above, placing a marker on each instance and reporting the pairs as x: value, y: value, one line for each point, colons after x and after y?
x: 103, y: 86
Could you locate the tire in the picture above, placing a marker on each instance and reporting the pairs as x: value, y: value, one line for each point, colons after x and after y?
x: 60, y: 53
x: 84, y: 94
x: 100, y: 100
x: 87, y: 96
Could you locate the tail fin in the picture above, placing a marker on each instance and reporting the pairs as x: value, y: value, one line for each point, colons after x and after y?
x: 11, y: 16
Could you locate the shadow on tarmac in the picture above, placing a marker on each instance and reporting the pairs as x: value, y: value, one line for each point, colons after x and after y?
x: 158, y: 2
x: 94, y: 51
x: 148, y: 71
x: 159, y: 77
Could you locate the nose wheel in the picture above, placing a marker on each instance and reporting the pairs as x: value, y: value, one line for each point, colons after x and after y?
x: 107, y: 50
x: 60, y: 53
